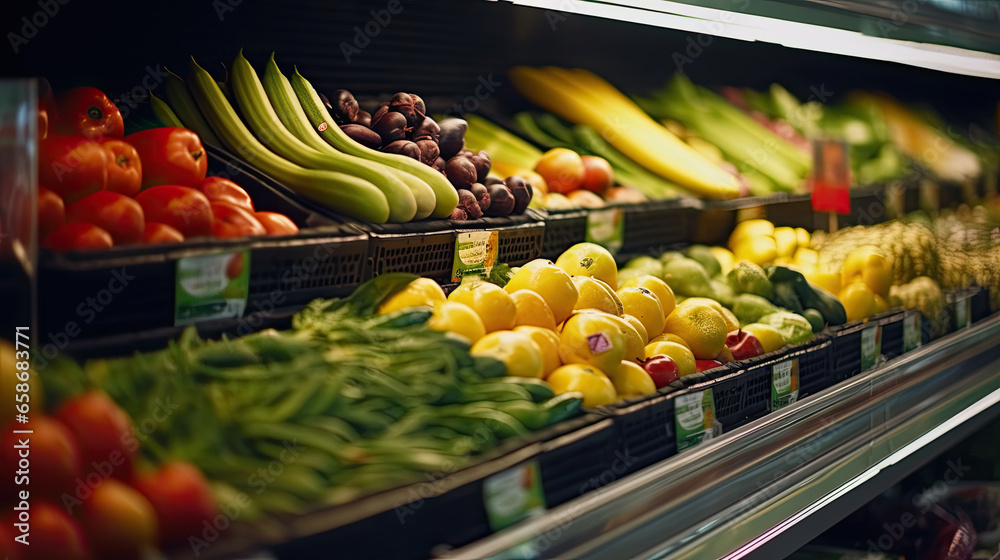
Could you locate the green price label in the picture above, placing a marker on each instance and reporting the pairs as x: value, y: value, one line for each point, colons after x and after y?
x: 694, y: 418
x: 871, y: 346
x: 475, y: 253
x: 606, y: 227
x: 513, y: 495
x: 211, y: 287
x: 911, y: 331
x: 784, y: 384
x: 963, y: 308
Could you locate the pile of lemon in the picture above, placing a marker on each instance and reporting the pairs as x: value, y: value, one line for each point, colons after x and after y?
x: 570, y: 323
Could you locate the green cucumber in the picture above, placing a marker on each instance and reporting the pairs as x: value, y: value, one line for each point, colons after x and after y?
x: 186, y: 109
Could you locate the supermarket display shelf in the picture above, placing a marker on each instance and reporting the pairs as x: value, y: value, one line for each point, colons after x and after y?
x: 808, y: 26
x: 756, y: 492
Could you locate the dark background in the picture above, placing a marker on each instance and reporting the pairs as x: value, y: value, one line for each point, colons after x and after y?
x: 437, y: 48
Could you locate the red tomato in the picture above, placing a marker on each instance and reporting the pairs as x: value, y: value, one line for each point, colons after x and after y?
x: 54, y: 534
x: 181, y: 497
x: 182, y: 208
x: 276, y: 224
x: 160, y: 234
x: 170, y: 156
x: 124, y: 167
x: 104, y: 432
x: 78, y: 236
x: 86, y: 111
x: 598, y: 176
x: 113, y: 212
x: 9, y: 548
x: 53, y: 454
x: 235, y: 266
x: 72, y: 167
x: 233, y: 221
x: 119, y: 521
x: 218, y: 189
x: 51, y: 212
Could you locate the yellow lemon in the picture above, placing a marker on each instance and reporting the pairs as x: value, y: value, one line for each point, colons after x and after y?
x: 759, y: 250
x: 595, y: 294
x: 725, y: 257
x: 858, y: 300
x: 701, y: 326
x: 750, y: 229
x: 881, y: 306
x: 596, y: 388
x: 516, y: 350
x: 631, y: 381
x: 868, y: 264
x: 732, y: 323
x: 638, y: 326
x: 680, y: 353
x: 590, y: 259
x: 634, y: 338
x: 802, y: 237
x: 829, y: 281
x: 493, y: 305
x: 786, y: 241
x: 549, y: 281
x: 422, y: 292
x: 548, y: 342
x: 769, y: 337
x: 643, y: 304
x: 458, y: 318
x: 594, y: 338
x: 532, y: 310
x: 658, y: 287
x: 667, y: 337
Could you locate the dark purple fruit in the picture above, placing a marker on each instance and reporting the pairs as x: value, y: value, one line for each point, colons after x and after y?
x: 483, y: 163
x: 380, y: 111
x: 452, y: 139
x: 460, y: 172
x: 466, y: 152
x: 364, y: 118
x: 418, y: 104
x: 482, y: 195
x: 492, y: 180
x: 362, y: 135
x: 458, y: 215
x: 439, y: 164
x: 390, y: 128
x: 345, y: 107
x: 403, y: 148
x: 467, y: 201
x: 522, y: 192
x: 501, y: 200
x: 428, y: 151
x: 427, y: 130
x: 402, y: 103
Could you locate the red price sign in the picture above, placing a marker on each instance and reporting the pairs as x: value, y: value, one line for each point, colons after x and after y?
x: 831, y: 179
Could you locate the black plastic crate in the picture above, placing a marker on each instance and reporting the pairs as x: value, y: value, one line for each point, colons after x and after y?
x: 959, y: 307
x: 581, y: 460
x: 644, y: 428
x: 729, y: 393
x: 654, y: 224
x: 425, y: 254
x: 980, y: 305
x: 563, y: 229
x: 757, y: 374
x: 815, y: 370
x: 892, y: 333
x: 845, y: 352
x: 131, y: 289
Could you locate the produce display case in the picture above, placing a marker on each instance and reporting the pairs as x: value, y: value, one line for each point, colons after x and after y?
x: 870, y: 404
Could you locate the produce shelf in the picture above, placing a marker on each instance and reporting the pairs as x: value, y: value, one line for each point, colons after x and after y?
x: 755, y: 492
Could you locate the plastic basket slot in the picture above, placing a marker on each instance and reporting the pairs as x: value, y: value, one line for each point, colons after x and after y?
x: 846, y: 355
x: 518, y: 246
x: 296, y: 273
x: 757, y: 381
x: 815, y: 369
x: 647, y: 433
x: 728, y: 395
x: 892, y: 338
x: 561, y: 233
x: 430, y: 258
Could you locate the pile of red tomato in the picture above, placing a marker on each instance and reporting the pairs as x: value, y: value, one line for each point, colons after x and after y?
x: 83, y: 497
x: 99, y: 189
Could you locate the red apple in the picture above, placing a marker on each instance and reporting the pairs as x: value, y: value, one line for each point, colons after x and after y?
x: 705, y: 365
x: 743, y: 345
x: 598, y: 176
x: 662, y: 369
